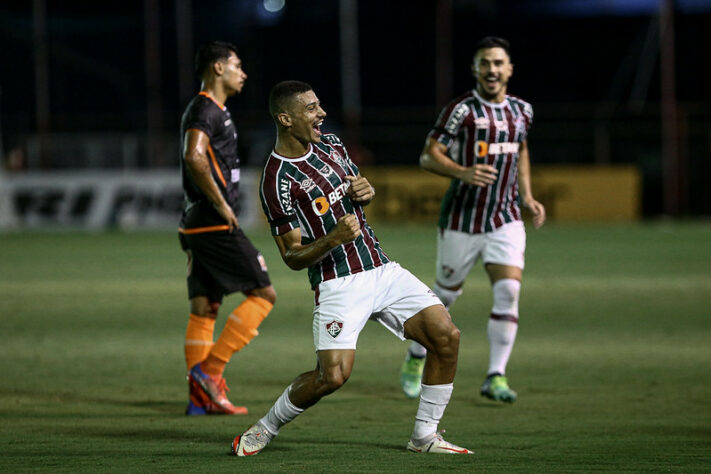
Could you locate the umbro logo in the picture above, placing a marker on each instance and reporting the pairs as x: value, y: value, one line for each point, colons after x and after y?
x: 307, y: 185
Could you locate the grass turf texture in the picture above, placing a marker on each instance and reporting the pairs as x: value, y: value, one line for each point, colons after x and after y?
x: 611, y: 363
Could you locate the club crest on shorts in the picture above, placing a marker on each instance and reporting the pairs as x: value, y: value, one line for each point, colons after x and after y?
x: 447, y: 271
x: 334, y: 328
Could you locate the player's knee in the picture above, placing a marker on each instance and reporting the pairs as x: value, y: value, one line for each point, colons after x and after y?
x: 445, y: 340
x: 204, y: 308
x: 267, y: 293
x: 332, y: 380
x: 506, y: 294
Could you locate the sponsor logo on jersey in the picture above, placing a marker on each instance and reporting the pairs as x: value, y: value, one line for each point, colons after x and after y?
x: 284, y: 195
x: 481, y: 122
x: 307, y: 185
x: 334, y: 328
x: 456, y: 119
x: 482, y: 148
x: 501, y: 125
x: 322, y: 204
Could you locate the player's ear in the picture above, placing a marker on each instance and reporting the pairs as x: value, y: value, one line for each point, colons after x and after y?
x: 218, y: 67
x: 511, y: 69
x: 284, y: 119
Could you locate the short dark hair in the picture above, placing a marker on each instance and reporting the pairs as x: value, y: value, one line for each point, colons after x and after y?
x: 493, y: 42
x: 210, y: 53
x: 283, y: 92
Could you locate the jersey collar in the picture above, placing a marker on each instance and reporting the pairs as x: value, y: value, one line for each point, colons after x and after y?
x: 205, y: 94
x: 298, y: 158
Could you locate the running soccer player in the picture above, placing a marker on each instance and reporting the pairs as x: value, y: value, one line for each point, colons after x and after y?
x: 313, y: 197
x: 479, y: 141
x: 221, y: 260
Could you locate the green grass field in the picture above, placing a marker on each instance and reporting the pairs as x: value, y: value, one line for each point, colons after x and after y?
x: 612, y: 363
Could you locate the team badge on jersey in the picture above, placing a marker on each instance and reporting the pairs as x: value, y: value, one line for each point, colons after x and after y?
x: 334, y: 328
x: 325, y: 171
x: 335, y: 156
x: 307, y: 185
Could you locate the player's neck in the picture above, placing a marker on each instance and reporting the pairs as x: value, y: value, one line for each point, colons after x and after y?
x: 497, y: 98
x: 216, y: 92
x: 288, y: 146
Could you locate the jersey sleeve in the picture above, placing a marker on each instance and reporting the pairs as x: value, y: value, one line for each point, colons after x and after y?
x: 449, y: 122
x: 275, y: 194
x: 198, y: 117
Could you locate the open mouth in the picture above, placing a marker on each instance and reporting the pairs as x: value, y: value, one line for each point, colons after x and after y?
x: 491, y: 81
x: 317, y: 127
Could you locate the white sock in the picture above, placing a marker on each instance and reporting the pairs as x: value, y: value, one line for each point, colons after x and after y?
x: 417, y: 350
x: 503, y: 324
x: 281, y: 413
x: 433, y: 401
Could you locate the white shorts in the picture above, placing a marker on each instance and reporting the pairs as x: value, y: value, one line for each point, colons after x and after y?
x: 457, y: 252
x: 388, y: 294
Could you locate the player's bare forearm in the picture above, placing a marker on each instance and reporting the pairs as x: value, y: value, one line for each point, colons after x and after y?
x: 435, y: 160
x: 524, y: 184
x: 298, y: 256
x: 360, y: 190
x: 198, y: 166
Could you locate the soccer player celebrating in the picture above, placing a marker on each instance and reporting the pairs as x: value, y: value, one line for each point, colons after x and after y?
x: 313, y: 197
x: 221, y: 260
x: 479, y: 141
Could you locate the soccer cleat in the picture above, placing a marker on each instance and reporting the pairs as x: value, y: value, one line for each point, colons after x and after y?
x: 437, y: 445
x: 496, y: 387
x: 252, y: 441
x: 411, y: 375
x: 209, y: 392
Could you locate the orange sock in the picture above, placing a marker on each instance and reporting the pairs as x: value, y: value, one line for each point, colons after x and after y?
x: 240, y: 328
x: 198, y: 339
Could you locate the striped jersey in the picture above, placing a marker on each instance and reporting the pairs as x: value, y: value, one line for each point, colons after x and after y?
x: 477, y: 131
x: 212, y: 118
x: 309, y: 192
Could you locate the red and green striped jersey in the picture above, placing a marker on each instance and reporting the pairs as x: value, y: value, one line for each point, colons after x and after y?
x: 309, y: 192
x: 477, y: 131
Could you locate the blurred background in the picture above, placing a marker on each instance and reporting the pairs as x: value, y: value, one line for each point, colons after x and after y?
x: 91, y: 95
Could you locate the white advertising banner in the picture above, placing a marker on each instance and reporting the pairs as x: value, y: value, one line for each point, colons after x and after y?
x: 93, y: 200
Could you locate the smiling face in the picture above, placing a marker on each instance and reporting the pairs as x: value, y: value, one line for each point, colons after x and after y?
x: 305, y: 117
x: 492, y: 69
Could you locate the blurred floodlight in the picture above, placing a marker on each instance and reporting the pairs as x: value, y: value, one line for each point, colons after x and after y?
x: 274, y: 6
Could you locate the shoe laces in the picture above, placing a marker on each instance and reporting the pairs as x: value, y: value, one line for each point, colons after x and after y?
x: 222, y: 385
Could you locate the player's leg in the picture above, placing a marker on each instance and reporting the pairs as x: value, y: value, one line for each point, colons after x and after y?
x: 456, y: 254
x: 233, y: 264
x: 332, y: 371
x: 506, y: 248
x: 433, y: 328
x: 240, y: 329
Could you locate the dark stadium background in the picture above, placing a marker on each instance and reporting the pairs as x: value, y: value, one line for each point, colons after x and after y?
x: 591, y: 69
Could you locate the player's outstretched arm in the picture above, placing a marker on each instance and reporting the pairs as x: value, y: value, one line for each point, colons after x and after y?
x: 435, y: 160
x: 298, y: 256
x: 360, y: 190
x: 195, y: 155
x: 524, y: 185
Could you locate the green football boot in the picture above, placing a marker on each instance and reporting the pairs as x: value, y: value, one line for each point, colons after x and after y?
x: 411, y: 375
x: 496, y: 387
